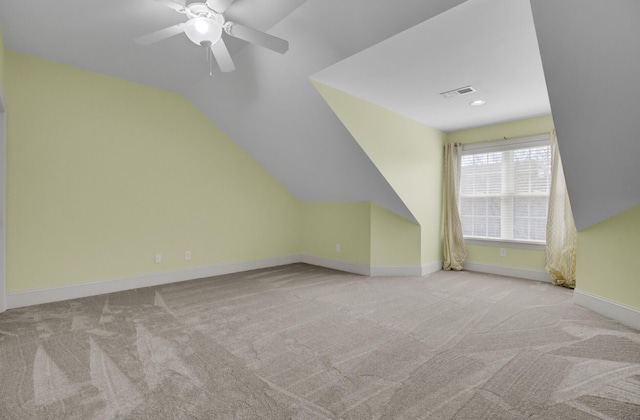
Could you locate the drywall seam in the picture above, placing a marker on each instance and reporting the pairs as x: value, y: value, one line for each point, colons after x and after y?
x: 500, y: 270
x: 620, y: 312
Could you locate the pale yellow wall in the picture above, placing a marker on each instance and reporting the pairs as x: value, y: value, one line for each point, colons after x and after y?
x: 395, y: 241
x: 607, y: 256
x: 486, y: 254
x: 325, y: 224
x: 1, y: 61
x: 407, y: 153
x: 367, y: 234
x: 532, y: 259
x: 103, y: 174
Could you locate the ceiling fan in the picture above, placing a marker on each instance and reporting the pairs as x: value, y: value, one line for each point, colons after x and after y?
x: 205, y: 26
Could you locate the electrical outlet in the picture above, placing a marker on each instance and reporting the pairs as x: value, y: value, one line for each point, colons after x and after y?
x: 158, y: 258
x: 503, y: 252
x: 187, y: 255
x: 337, y: 247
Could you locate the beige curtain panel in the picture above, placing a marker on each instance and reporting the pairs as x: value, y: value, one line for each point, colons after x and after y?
x: 454, y: 251
x: 561, y: 229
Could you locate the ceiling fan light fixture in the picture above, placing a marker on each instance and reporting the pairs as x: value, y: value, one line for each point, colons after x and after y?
x: 203, y: 31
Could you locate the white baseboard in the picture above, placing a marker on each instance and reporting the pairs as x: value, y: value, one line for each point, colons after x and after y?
x: 347, y: 266
x: 396, y: 271
x: 73, y: 291
x: 620, y: 312
x: 431, y: 267
x: 374, y: 270
x: 405, y: 270
x: 523, y: 273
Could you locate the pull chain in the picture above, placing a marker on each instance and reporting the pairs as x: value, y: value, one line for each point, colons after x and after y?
x: 210, y: 61
x: 209, y: 57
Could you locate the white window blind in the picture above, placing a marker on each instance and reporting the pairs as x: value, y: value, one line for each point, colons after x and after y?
x: 504, y: 189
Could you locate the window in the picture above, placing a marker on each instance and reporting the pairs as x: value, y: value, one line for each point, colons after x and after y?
x: 504, y: 189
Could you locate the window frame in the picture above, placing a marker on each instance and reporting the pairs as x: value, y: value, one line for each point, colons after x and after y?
x: 526, y: 142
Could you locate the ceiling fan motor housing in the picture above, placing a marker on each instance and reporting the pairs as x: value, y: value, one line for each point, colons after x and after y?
x: 202, y: 10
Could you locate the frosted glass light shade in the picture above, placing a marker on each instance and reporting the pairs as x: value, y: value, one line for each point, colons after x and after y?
x: 203, y: 31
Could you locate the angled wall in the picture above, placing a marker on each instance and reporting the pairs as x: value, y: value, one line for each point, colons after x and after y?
x: 359, y: 237
x: 103, y: 174
x: 395, y: 243
x: 337, y: 234
x: 607, y: 253
x: 407, y: 153
x: 591, y: 58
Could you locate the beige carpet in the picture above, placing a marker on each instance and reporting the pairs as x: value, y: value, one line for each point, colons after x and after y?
x: 304, y: 342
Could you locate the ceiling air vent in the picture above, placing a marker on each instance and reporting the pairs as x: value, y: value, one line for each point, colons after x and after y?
x: 457, y: 92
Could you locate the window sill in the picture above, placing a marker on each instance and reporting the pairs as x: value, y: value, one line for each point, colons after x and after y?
x: 504, y: 243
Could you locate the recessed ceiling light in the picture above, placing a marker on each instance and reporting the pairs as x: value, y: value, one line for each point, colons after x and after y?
x: 477, y: 102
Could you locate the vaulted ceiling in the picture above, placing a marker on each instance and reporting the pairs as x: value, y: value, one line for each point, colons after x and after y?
x: 399, y: 56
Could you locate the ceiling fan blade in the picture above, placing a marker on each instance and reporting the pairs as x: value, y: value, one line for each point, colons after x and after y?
x: 257, y: 37
x: 221, y: 53
x: 165, y: 33
x: 178, y: 7
x: 219, y: 5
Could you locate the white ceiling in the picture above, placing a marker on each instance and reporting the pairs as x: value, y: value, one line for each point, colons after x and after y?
x: 488, y: 44
x: 268, y: 105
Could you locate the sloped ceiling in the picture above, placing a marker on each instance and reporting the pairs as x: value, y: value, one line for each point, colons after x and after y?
x: 268, y: 105
x: 591, y: 57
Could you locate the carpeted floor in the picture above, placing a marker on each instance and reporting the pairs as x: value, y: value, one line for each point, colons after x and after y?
x: 304, y: 342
